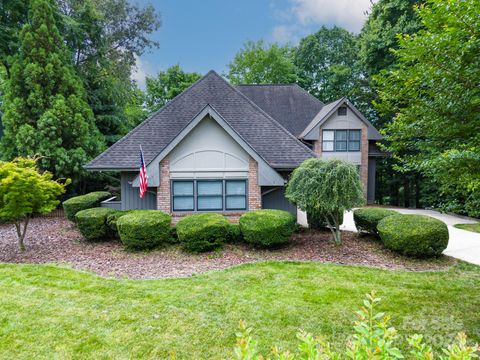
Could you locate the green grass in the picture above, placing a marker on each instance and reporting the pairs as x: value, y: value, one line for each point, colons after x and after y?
x: 52, y: 312
x: 469, y: 227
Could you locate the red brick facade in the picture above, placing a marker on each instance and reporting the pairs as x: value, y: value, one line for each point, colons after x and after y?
x: 163, y: 191
x: 254, y: 192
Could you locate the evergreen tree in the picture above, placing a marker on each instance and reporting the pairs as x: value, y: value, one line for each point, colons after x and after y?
x: 45, y: 112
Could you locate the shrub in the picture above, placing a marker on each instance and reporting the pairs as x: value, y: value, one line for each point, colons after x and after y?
x: 144, y: 229
x: 374, y: 338
x: 414, y: 235
x: 173, y: 235
x: 202, y: 232
x: 317, y: 221
x: 113, y: 218
x: 234, y: 234
x: 267, y: 228
x: 77, y: 203
x: 92, y: 223
x: 367, y: 219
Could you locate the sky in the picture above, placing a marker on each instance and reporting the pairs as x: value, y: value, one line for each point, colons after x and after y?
x: 201, y: 35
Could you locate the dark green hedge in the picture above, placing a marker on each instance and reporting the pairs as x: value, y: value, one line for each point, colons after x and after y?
x: 317, y: 221
x: 113, y: 218
x: 267, y: 228
x: 144, y: 229
x: 414, y: 235
x: 234, y: 234
x: 77, y: 203
x: 92, y: 223
x: 367, y: 219
x: 202, y: 232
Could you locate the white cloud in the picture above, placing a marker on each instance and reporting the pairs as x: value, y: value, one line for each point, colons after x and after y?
x: 141, y: 71
x: 284, y: 34
x: 349, y: 14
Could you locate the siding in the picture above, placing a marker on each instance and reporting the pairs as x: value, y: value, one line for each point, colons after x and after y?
x: 130, y: 196
x: 274, y: 198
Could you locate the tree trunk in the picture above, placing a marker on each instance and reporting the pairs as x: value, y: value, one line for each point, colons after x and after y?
x: 21, y: 233
x: 417, y: 191
x: 406, y: 191
x: 335, y: 229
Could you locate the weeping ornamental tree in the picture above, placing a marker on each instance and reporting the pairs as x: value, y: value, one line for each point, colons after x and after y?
x: 327, y: 188
x: 44, y: 104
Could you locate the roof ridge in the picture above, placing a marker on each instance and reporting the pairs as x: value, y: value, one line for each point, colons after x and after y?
x: 275, y: 122
x: 270, y: 84
x: 150, y: 117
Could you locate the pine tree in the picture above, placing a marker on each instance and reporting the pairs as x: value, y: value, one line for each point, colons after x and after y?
x: 45, y: 111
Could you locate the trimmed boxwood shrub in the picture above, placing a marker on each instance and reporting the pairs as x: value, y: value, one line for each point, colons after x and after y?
x: 234, y: 234
x: 414, y: 235
x: 113, y: 218
x: 367, y: 219
x: 267, y: 228
x: 317, y: 221
x: 144, y: 229
x: 77, y: 203
x: 92, y: 223
x: 202, y: 232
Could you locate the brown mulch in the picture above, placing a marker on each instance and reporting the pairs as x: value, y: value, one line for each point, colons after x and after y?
x: 56, y: 240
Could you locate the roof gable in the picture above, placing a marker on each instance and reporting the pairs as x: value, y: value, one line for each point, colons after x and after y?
x: 269, y: 139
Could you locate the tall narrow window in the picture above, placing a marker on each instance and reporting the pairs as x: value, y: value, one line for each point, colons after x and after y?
x: 209, y: 195
x: 328, y: 139
x: 341, y: 140
x: 354, y: 140
x: 235, y: 195
x: 183, y: 196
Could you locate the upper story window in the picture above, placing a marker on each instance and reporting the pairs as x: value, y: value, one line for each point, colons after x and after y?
x: 342, y: 111
x: 341, y: 140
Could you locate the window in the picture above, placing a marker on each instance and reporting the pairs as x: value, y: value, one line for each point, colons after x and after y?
x: 342, y: 111
x: 341, y: 140
x: 209, y: 195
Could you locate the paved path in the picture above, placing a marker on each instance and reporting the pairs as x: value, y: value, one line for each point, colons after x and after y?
x: 464, y: 245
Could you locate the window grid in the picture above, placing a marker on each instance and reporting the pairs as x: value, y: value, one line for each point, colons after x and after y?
x: 341, y: 141
x: 224, y: 195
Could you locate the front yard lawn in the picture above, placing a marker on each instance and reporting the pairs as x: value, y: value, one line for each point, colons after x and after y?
x: 52, y: 312
x: 469, y: 227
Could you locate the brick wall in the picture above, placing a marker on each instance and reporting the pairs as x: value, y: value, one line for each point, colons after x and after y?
x: 317, y: 146
x: 163, y: 191
x: 254, y: 192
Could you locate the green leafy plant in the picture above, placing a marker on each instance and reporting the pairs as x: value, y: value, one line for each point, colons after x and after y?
x: 267, y: 228
x: 202, y: 232
x: 373, y: 338
x: 82, y: 202
x: 93, y: 223
x: 234, y: 234
x: 144, y: 229
x: 414, y: 235
x: 367, y: 219
x: 326, y: 187
x: 24, y: 191
x: 112, y: 219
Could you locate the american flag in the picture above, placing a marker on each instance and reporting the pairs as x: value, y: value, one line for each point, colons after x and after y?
x: 143, y: 175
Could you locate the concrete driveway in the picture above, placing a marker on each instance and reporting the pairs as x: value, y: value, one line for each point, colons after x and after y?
x: 463, y: 245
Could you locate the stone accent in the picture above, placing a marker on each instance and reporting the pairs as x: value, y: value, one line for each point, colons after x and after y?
x: 364, y: 164
x: 163, y: 191
x: 254, y: 191
x: 317, y: 147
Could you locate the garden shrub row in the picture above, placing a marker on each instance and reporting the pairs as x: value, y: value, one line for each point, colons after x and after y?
x: 202, y: 232
x: 75, y: 204
x: 409, y: 235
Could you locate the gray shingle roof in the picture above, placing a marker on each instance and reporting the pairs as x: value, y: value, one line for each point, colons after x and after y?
x: 266, y: 136
x: 290, y: 105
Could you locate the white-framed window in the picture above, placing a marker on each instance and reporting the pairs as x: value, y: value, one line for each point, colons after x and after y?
x: 209, y: 195
x: 341, y: 140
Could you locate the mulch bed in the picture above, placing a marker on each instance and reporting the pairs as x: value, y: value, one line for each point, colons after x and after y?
x: 56, y: 240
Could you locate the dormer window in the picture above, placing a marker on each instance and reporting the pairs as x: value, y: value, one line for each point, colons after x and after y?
x: 341, y: 140
x: 342, y: 111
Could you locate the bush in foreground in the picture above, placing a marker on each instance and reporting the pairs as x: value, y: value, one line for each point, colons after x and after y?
x: 414, y: 235
x: 202, y: 232
x: 373, y: 338
x: 367, y: 219
x: 234, y: 234
x: 267, y: 228
x: 144, y: 229
x: 82, y: 202
x: 92, y: 223
x: 318, y: 221
x: 112, y: 219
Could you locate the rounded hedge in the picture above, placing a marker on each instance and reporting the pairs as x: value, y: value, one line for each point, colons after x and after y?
x: 88, y: 201
x: 202, y: 232
x: 317, y: 221
x: 92, y: 223
x: 367, y: 219
x: 234, y: 234
x: 267, y: 228
x: 414, y: 235
x: 144, y: 229
x: 113, y: 218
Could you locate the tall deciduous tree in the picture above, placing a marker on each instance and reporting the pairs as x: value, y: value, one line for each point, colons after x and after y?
x: 434, y: 92
x: 166, y: 85
x: 45, y: 112
x: 258, y: 63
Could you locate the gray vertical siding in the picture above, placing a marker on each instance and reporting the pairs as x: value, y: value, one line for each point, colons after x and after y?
x: 372, y: 170
x: 274, y: 198
x: 130, y: 197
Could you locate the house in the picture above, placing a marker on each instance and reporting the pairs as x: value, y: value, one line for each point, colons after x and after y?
x: 218, y: 147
